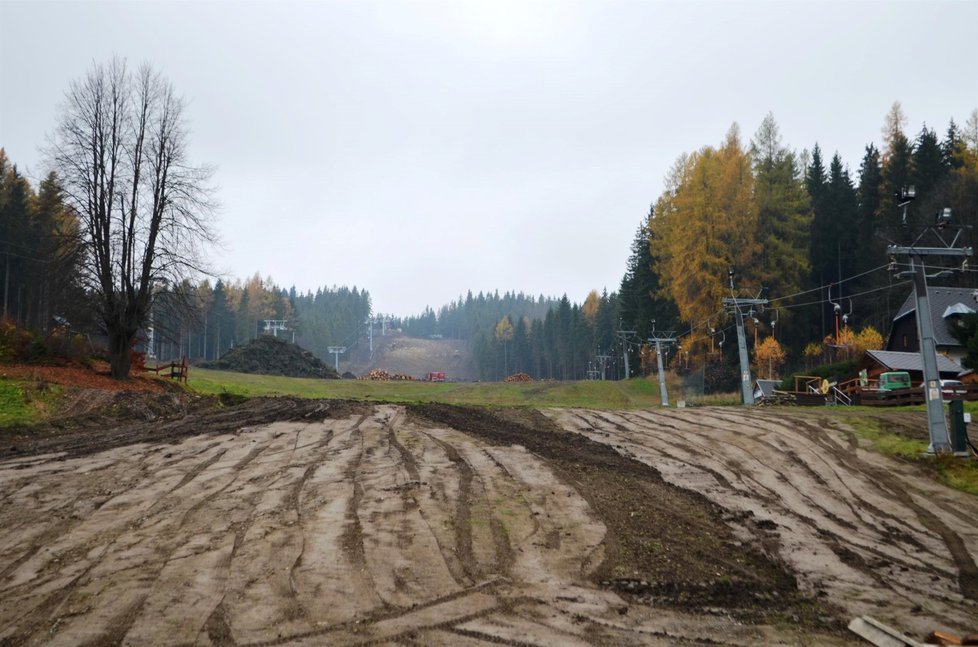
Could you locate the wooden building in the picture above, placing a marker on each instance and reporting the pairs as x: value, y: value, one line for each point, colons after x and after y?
x: 946, y: 306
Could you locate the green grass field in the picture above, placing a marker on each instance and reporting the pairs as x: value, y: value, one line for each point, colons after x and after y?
x: 631, y: 394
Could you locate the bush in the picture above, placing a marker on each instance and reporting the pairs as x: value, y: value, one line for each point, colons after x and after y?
x: 721, y: 378
x: 8, y: 340
x: 17, y: 345
x: 30, y: 346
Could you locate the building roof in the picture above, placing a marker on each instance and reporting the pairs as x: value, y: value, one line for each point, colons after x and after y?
x: 944, y: 302
x: 897, y: 361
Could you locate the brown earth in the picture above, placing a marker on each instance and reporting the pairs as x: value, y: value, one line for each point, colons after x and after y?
x: 267, y: 355
x: 290, y: 522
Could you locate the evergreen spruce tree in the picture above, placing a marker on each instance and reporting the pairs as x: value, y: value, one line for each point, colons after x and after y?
x: 783, y: 217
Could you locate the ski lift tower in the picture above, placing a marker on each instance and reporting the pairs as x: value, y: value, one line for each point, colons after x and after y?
x: 625, y: 334
x: 734, y: 303
x: 336, y: 351
x: 276, y: 325
x: 661, y: 339
x: 915, y: 258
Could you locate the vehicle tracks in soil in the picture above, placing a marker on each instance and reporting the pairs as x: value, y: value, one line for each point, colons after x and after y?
x: 295, y: 523
x: 848, y: 521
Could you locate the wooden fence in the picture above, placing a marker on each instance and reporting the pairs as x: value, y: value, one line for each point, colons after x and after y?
x: 850, y: 392
x: 177, y: 371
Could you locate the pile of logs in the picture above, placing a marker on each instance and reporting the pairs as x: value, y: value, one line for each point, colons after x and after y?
x: 380, y: 375
x: 519, y: 377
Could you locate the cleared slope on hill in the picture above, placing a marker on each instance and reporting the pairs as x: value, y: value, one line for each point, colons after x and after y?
x: 398, y: 353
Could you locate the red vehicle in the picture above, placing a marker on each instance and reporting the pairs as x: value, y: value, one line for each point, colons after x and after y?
x: 435, y: 377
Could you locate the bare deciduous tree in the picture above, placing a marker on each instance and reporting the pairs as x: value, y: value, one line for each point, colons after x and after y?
x: 120, y: 148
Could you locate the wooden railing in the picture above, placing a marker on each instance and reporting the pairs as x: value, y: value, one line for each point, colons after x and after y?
x: 913, y: 395
x: 808, y: 392
x: 177, y: 371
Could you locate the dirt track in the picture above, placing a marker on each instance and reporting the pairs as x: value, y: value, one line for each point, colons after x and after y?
x: 296, y: 522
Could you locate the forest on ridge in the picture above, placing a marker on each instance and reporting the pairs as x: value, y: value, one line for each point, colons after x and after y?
x: 798, y: 228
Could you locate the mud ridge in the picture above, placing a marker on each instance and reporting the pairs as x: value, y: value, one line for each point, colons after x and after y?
x: 650, y: 523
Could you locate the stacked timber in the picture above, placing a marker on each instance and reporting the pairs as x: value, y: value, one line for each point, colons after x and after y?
x: 518, y: 377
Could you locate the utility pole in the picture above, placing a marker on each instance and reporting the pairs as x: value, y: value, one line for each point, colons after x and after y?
x: 336, y: 351
x: 734, y: 304
x: 660, y: 340
x: 625, y: 334
x: 914, y: 256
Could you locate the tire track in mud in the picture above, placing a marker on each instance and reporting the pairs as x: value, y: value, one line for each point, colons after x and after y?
x: 46, y: 608
x: 72, y: 554
x: 851, y: 497
x: 836, y: 541
x: 292, y: 502
x: 698, y: 455
x: 817, y: 503
x: 217, y: 626
x: 839, y: 539
x: 197, y: 507
x: 871, y: 531
x: 351, y: 541
x: 424, y: 519
x: 640, y: 511
x: 249, y: 518
x: 967, y: 569
x: 463, y: 517
x: 718, y: 475
x: 129, y: 618
x: 873, y: 552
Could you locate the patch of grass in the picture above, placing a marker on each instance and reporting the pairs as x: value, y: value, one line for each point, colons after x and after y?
x: 24, y: 402
x: 958, y: 473
x: 627, y: 394
x: 886, y: 443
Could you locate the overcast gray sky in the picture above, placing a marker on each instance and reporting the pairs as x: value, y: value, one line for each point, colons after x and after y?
x: 422, y: 149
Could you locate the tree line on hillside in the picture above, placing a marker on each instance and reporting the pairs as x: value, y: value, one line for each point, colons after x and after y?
x: 799, y: 231
x: 803, y: 233
x: 39, y: 251
x: 201, y: 322
x: 515, y: 333
x: 42, y: 287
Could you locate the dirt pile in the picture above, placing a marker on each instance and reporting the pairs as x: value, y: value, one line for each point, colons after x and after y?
x: 270, y: 356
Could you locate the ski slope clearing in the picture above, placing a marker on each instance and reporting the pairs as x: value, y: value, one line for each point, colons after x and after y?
x: 302, y: 522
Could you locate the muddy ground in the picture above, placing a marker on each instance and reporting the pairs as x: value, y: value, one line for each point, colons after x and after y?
x: 299, y: 522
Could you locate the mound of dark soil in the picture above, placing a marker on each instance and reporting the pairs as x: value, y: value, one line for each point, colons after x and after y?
x: 270, y: 356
